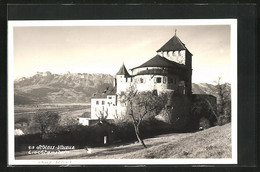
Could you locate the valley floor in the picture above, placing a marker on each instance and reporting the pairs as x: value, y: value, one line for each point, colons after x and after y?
x: 214, y: 142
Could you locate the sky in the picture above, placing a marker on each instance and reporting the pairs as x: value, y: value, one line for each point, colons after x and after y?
x: 103, y: 49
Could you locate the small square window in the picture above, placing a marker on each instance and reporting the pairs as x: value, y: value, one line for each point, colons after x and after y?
x: 158, y: 80
x: 141, y: 80
x: 103, y: 102
x: 97, y: 102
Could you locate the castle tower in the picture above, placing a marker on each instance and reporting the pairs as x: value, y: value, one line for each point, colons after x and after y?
x: 176, y: 51
x: 122, y: 79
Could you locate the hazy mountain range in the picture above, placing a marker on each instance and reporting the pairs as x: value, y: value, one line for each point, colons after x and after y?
x: 45, y: 87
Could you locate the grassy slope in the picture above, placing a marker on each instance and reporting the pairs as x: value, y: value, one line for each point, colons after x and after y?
x: 211, y: 143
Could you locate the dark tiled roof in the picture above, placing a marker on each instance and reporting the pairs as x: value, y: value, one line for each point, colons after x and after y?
x: 159, y: 61
x: 106, y: 92
x: 174, y: 44
x: 122, y: 71
x: 86, y: 115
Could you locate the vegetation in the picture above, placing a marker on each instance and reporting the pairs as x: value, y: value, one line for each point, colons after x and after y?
x: 141, y: 106
x: 211, y: 143
x: 81, y: 136
x: 204, y: 111
x: 68, y: 114
x: 45, y: 122
x: 224, y: 101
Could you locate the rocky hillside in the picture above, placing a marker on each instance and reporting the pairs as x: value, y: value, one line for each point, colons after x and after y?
x: 45, y: 87
x: 204, y: 88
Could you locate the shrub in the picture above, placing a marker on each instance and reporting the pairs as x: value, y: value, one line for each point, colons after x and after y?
x: 81, y: 136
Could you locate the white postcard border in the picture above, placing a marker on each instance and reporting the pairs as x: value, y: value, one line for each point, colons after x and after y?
x: 145, y: 22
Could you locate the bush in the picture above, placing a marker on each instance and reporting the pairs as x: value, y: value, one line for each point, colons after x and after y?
x: 77, y: 135
x: 124, y: 131
x: 22, y: 142
x: 81, y: 136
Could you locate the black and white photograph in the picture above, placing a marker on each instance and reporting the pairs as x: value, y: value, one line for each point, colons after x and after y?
x: 149, y: 91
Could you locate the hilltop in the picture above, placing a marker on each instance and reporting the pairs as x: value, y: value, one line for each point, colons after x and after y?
x: 45, y: 87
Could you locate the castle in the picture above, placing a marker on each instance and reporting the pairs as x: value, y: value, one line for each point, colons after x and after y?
x: 169, y: 71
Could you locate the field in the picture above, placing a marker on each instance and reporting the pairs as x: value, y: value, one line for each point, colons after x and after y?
x: 214, y: 142
x: 67, y: 112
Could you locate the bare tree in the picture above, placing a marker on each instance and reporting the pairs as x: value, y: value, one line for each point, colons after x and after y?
x: 141, y: 106
x: 224, y: 99
x: 102, y: 115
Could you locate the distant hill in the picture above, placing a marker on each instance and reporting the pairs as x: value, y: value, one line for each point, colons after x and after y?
x: 45, y: 87
x: 204, y: 88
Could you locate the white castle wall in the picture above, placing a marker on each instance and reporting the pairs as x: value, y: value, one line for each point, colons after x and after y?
x: 104, y: 105
x: 154, y: 82
x: 176, y: 56
x: 123, y: 83
x: 148, y: 83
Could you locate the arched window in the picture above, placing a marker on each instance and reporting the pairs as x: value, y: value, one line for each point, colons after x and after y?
x: 164, y: 80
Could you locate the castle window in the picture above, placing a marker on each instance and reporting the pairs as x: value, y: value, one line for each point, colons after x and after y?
x: 164, y: 79
x: 170, y: 80
x: 97, y: 102
x: 155, y: 92
x: 103, y: 102
x: 109, y: 97
x: 158, y: 80
x: 141, y: 80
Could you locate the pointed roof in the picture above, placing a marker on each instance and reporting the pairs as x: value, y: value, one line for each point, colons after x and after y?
x: 159, y: 61
x: 174, y: 44
x: 122, y: 71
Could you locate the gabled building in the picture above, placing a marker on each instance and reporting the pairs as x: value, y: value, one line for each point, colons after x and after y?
x: 170, y: 70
